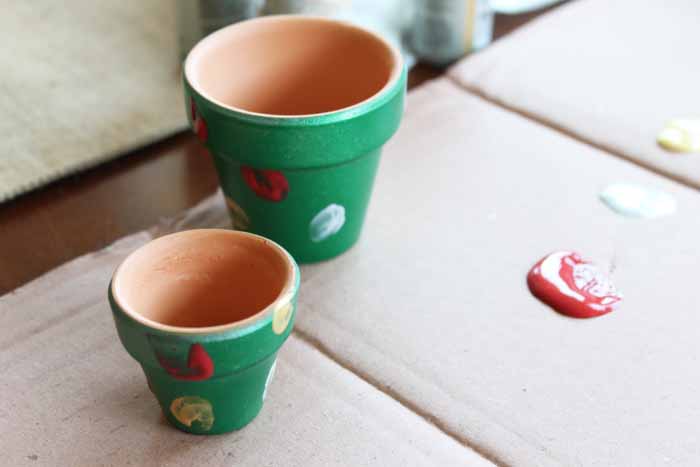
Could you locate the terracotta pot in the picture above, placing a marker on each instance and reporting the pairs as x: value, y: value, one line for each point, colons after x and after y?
x: 295, y: 111
x: 204, y: 312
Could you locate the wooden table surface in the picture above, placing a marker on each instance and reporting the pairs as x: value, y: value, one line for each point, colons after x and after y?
x: 87, y: 211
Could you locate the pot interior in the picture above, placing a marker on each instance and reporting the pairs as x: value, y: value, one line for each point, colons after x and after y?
x: 291, y: 66
x: 202, y: 278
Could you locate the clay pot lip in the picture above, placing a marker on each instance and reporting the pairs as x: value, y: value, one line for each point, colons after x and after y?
x: 390, y: 87
x: 286, y: 295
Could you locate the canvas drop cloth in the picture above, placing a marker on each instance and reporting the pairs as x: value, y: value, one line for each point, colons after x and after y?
x: 82, y: 82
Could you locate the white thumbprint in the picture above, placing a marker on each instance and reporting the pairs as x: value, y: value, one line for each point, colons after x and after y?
x: 327, y: 222
x: 638, y: 201
x: 270, y: 375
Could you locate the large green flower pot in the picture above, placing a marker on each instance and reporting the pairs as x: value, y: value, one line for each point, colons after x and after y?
x: 294, y: 111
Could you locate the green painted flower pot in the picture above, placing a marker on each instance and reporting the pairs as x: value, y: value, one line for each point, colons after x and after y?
x: 294, y: 111
x: 204, y: 312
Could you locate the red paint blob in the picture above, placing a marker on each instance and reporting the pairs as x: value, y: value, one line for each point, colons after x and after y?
x: 199, y: 365
x: 268, y: 184
x: 572, y: 286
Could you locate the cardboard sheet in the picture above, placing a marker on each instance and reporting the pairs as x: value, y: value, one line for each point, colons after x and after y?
x: 431, y: 307
x: 70, y: 395
x: 432, y: 303
x: 609, y: 73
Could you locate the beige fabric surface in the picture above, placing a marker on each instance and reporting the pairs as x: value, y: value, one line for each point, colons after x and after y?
x: 71, y: 396
x: 608, y: 72
x: 83, y: 82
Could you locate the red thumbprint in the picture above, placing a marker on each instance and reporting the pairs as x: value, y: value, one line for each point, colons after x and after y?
x: 268, y: 184
x: 199, y: 365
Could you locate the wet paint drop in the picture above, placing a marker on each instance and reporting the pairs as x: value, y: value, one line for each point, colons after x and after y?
x: 572, y: 286
x: 327, y: 222
x: 239, y: 218
x: 189, y: 409
x: 680, y: 135
x: 271, y: 185
x: 281, y: 317
x: 636, y: 201
x: 270, y: 375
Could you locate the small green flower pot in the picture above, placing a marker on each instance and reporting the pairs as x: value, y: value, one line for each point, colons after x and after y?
x: 295, y: 111
x: 204, y: 312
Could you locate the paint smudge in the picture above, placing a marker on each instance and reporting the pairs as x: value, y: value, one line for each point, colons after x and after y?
x: 680, y: 135
x: 199, y: 367
x: 199, y: 126
x: 281, y: 317
x: 169, y: 352
x: 189, y: 409
x: 572, y: 286
x: 239, y: 218
x: 636, y: 201
x: 267, y: 184
x: 270, y: 375
x: 327, y: 222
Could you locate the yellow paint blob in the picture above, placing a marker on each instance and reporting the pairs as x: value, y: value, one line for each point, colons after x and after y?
x: 241, y: 221
x: 680, y: 135
x: 281, y: 317
x: 189, y: 409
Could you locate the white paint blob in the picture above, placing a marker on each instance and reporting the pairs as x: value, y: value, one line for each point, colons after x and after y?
x: 270, y: 375
x: 327, y: 222
x: 637, y: 201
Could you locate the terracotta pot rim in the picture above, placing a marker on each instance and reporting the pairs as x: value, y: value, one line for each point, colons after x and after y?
x: 251, y: 323
x: 387, y: 91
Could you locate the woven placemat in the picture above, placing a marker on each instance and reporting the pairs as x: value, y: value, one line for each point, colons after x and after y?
x: 83, y: 82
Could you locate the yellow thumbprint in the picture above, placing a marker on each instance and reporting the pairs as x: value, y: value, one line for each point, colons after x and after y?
x: 281, y: 317
x: 188, y: 409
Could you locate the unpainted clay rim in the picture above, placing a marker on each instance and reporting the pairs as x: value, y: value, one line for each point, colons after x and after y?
x: 397, y: 71
x: 286, y: 295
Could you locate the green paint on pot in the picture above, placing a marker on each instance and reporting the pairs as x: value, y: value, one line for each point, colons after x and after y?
x: 282, y: 169
x: 310, y: 191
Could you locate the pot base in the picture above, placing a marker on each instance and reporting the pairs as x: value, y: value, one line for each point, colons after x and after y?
x: 315, y: 214
x: 216, y: 405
